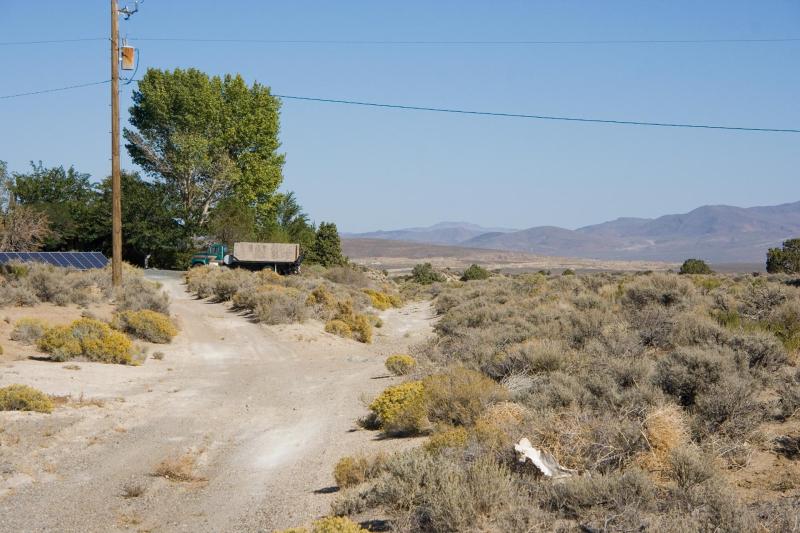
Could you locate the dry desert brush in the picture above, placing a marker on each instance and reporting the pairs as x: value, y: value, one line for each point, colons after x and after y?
x: 655, y: 388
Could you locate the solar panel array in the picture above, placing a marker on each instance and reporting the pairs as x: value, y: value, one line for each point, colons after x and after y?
x: 79, y: 260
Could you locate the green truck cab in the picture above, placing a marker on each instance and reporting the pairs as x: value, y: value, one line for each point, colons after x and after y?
x: 213, y: 255
x: 281, y: 257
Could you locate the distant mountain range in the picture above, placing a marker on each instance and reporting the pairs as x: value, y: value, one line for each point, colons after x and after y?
x: 716, y: 233
x: 449, y: 233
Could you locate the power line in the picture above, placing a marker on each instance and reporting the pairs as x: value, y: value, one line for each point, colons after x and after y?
x: 466, y: 42
x: 53, y: 41
x: 537, y: 117
x: 471, y: 112
x: 416, y: 42
x: 57, y: 89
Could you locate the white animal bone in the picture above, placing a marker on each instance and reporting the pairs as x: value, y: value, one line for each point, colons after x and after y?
x: 542, y: 460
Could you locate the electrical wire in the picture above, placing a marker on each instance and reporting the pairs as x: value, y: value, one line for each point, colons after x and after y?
x: 57, y: 89
x: 467, y: 112
x: 537, y: 117
x: 53, y: 41
x: 467, y: 42
x: 418, y: 42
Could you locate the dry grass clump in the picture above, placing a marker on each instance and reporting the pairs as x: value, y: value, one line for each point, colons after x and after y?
x: 147, y: 325
x: 180, y: 469
x: 354, y: 470
x: 656, y: 388
x: 87, y: 338
x: 400, y: 364
x: 28, y: 330
x: 24, y: 398
x: 329, y: 524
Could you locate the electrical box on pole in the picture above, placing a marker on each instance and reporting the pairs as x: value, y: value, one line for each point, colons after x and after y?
x: 128, y: 57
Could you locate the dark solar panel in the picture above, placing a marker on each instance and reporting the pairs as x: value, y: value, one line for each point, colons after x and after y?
x: 78, y: 260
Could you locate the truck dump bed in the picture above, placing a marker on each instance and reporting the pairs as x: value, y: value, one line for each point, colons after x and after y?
x: 266, y: 252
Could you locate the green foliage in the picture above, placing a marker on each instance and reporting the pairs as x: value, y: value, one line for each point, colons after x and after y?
x: 785, y: 259
x: 424, y: 274
x: 207, y: 139
x: 149, y: 226
x: 327, y: 247
x: 695, y: 266
x: 568, y: 272
x: 24, y: 398
x: 66, y: 196
x: 474, y: 272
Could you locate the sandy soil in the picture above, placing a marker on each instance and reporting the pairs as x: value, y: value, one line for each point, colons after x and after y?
x: 257, y: 416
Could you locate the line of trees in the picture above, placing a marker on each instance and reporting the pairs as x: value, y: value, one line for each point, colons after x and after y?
x: 209, y: 150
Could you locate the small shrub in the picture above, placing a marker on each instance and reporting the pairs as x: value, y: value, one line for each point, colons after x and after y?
x: 695, y: 266
x: 400, y: 364
x: 347, y: 323
x: 138, y: 293
x: 400, y: 409
x: 347, y: 275
x: 147, y: 325
x: 351, y: 471
x: 88, y: 338
x: 336, y: 524
x: 688, y: 468
x: 338, y: 327
x: 568, y: 272
x: 381, y: 300
x: 424, y: 274
x: 279, y: 305
x: 321, y: 296
x: 452, y: 437
x: 24, y: 398
x: 362, y: 329
x: 28, y: 330
x: 474, y: 272
x: 458, y: 396
x: 685, y: 373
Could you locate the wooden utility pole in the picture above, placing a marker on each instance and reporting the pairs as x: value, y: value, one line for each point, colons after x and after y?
x: 116, y: 187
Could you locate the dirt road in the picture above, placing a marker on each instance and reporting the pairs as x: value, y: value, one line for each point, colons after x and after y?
x: 259, y: 414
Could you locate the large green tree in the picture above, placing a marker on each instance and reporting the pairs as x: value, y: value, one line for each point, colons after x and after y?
x: 207, y: 139
x: 785, y: 259
x: 327, y: 247
x: 65, y: 196
x: 149, y: 227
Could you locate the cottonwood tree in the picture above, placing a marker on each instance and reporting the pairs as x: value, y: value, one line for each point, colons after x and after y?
x: 207, y: 139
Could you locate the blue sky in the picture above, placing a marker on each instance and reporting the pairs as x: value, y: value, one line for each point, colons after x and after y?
x: 380, y: 169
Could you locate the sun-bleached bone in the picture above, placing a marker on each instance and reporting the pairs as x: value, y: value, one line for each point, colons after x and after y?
x: 542, y: 460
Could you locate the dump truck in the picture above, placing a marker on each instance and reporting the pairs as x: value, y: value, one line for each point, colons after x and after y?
x: 283, y: 258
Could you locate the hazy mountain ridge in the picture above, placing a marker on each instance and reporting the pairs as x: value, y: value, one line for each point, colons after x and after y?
x: 717, y: 233
x: 442, y: 233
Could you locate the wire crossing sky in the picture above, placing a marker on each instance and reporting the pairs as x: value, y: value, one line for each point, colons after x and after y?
x: 395, y: 115
x: 463, y: 112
